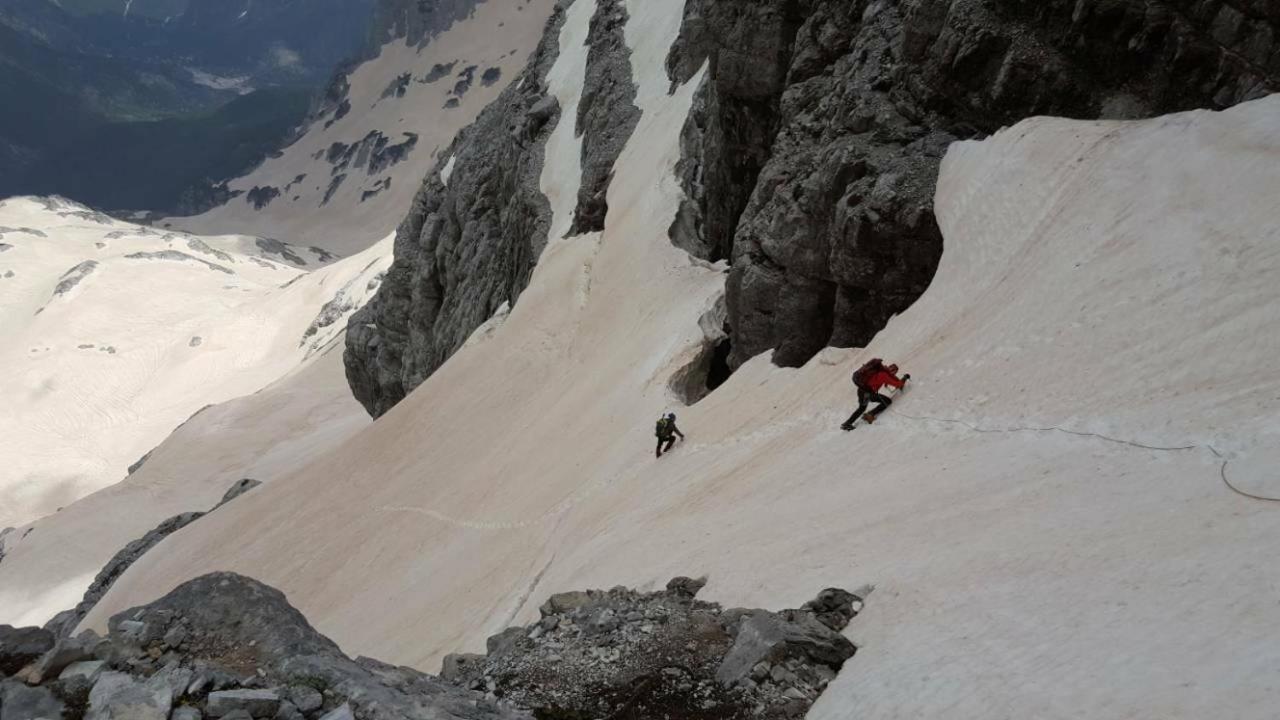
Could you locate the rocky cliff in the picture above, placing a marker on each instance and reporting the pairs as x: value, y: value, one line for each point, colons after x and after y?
x: 810, y: 158
x: 814, y: 152
x: 480, y: 221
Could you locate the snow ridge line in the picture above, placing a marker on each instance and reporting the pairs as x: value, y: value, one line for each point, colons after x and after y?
x: 1222, y: 469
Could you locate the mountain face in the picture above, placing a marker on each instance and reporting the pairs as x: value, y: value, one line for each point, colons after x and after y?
x: 811, y: 156
x: 227, y: 80
x: 380, y: 126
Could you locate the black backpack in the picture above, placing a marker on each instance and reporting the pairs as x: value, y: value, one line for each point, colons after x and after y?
x: 862, y: 375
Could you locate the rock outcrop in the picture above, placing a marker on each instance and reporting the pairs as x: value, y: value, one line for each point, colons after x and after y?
x: 485, y: 196
x: 226, y: 646
x: 607, y: 114
x: 810, y: 157
x: 490, y: 203
x: 624, y: 654
x: 813, y: 152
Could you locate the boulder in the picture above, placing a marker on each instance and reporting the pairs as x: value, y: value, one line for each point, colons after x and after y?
x: 565, y: 603
x: 342, y: 712
x: 834, y: 607
x: 186, y: 712
x: 459, y: 665
x: 18, y: 702
x: 258, y: 703
x: 64, y: 653
x: 87, y: 669
x: 21, y: 646
x: 118, y: 696
x: 686, y: 587
x: 767, y: 638
x: 305, y: 698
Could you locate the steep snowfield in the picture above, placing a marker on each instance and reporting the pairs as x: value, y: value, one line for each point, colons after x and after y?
x: 1043, y: 515
x: 303, y: 415
x: 491, y: 47
x: 114, y: 334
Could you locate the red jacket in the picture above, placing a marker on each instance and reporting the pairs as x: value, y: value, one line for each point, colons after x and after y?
x: 882, y: 378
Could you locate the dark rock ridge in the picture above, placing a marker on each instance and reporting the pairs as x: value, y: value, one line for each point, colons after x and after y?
x: 607, y: 114
x: 812, y: 155
x: 624, y: 654
x: 64, y: 623
x: 435, y: 294
x: 221, y: 645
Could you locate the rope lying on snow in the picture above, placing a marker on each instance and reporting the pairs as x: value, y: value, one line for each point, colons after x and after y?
x: 1222, y: 469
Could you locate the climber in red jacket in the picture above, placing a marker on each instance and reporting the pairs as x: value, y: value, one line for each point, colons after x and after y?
x: 869, y: 378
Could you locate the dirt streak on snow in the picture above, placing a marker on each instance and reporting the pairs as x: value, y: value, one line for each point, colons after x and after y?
x: 1113, y: 279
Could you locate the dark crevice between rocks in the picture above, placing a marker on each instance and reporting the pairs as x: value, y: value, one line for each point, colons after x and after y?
x: 626, y: 654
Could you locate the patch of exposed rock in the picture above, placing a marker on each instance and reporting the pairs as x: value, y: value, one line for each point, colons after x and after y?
x: 812, y: 155
x: 624, y: 654
x: 226, y: 646
x: 260, y: 196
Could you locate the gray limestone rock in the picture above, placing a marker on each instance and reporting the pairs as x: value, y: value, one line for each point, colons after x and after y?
x: 20, y: 702
x: 239, y: 628
x: 65, y: 652
x: 768, y: 638
x: 186, y: 712
x: 21, y: 646
x: 620, y: 653
x: 87, y: 669
x: 343, y: 712
x: 258, y: 703
x: 116, y: 696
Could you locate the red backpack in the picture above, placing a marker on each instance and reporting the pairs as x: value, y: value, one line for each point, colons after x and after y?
x: 862, y: 376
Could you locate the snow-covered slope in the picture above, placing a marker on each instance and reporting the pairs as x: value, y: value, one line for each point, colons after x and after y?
x: 351, y: 177
x: 114, y: 334
x: 260, y: 436
x: 1043, y: 515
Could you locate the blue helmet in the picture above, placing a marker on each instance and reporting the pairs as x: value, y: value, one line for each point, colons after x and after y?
x: 671, y: 417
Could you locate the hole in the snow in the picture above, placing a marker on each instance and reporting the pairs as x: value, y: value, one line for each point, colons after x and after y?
x: 720, y: 371
x: 707, y: 371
